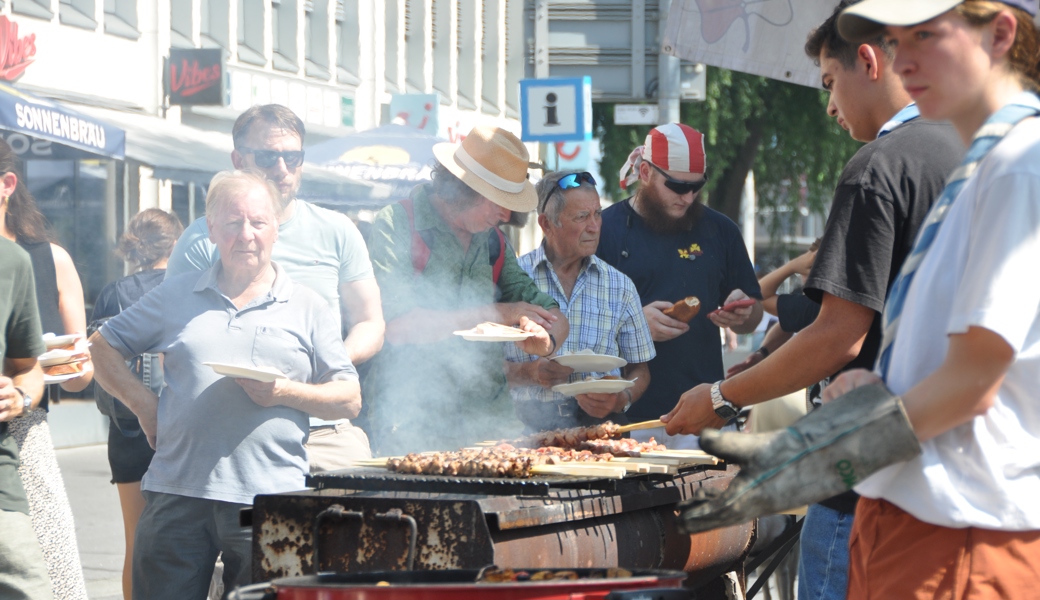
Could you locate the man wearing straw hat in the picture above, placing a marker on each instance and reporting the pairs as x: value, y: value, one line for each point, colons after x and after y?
x: 443, y: 266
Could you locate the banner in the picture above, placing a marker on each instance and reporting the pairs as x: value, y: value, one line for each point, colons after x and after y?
x: 48, y: 120
x: 761, y: 37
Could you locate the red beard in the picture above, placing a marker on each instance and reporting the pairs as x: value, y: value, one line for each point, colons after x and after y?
x: 655, y: 215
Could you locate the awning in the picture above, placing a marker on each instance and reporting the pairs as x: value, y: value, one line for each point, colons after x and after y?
x: 183, y: 153
x: 48, y: 120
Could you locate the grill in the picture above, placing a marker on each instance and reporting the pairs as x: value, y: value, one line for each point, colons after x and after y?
x: 366, y: 519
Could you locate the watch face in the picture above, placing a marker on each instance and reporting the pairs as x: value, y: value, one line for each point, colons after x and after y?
x: 726, y: 412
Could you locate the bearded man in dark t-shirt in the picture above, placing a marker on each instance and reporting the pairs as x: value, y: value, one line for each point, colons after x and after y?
x: 882, y: 198
x: 672, y: 246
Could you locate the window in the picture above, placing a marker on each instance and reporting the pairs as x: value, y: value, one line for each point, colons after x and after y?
x: 33, y: 8
x: 180, y: 25
x: 514, y: 45
x: 443, y: 49
x: 393, y: 44
x: 214, y: 22
x: 283, y: 34
x: 316, y: 35
x: 78, y: 13
x: 251, y: 32
x: 490, y: 53
x: 467, y: 52
x: 415, y: 45
x: 121, y: 18
x: 348, y: 48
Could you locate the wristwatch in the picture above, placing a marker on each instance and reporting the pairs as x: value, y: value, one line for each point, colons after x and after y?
x: 628, y: 404
x: 26, y: 402
x: 723, y: 408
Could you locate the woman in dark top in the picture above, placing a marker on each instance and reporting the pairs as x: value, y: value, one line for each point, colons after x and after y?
x: 59, y: 295
x: 145, y: 245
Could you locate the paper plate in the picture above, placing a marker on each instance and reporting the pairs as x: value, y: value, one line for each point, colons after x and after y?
x: 588, y: 362
x: 504, y: 335
x: 48, y: 379
x: 593, y: 386
x: 53, y: 341
x: 264, y: 374
x: 57, y: 357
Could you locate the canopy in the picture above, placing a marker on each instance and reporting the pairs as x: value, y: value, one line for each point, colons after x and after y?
x: 48, y: 120
x: 393, y: 154
x: 182, y: 153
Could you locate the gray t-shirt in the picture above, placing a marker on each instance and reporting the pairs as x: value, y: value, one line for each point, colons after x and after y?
x: 317, y: 247
x: 213, y: 441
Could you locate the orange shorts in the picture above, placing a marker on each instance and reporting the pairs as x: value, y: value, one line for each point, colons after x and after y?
x: 893, y: 556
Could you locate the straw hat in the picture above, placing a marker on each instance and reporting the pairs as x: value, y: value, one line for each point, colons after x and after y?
x: 493, y: 162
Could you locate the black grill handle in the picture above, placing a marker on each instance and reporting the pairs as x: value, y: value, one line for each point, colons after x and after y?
x: 396, y: 514
x: 335, y: 511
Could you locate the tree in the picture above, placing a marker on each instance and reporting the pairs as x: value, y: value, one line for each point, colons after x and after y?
x: 780, y: 130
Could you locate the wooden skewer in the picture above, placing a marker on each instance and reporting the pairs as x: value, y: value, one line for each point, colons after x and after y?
x: 580, y: 470
x: 643, y: 425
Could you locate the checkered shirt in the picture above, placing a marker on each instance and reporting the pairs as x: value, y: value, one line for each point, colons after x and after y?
x: 604, y: 313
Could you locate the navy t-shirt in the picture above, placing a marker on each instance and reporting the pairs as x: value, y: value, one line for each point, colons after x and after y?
x: 708, y: 262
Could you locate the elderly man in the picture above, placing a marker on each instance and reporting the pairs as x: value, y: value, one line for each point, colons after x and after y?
x: 23, y: 574
x: 318, y: 248
x: 220, y: 441
x: 444, y: 266
x: 601, y: 305
x: 672, y: 246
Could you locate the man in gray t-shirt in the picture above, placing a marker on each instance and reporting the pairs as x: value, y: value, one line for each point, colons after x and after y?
x: 318, y: 248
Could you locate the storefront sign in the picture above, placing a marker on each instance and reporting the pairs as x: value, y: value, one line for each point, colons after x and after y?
x: 15, y: 53
x: 197, y: 76
x: 48, y: 120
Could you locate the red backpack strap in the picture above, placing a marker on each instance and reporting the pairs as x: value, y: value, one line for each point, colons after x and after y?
x: 496, y: 268
x: 420, y: 250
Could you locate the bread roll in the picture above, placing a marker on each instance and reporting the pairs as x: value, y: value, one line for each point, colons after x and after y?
x: 684, y: 310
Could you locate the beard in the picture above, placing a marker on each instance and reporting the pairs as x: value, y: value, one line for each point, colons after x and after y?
x: 655, y: 213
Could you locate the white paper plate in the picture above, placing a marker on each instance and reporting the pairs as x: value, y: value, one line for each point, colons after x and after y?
x: 53, y: 341
x: 264, y: 374
x: 57, y: 357
x: 48, y: 379
x: 503, y: 336
x: 588, y: 362
x: 593, y: 386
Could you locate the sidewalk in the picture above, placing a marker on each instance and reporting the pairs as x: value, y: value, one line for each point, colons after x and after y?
x: 99, y: 523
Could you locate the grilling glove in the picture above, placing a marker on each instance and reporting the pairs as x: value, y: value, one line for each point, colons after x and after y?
x: 822, y: 455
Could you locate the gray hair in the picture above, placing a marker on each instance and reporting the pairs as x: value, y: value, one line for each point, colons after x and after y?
x: 551, y: 199
x: 226, y: 183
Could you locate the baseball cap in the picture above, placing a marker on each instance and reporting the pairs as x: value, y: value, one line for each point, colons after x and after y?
x: 867, y: 19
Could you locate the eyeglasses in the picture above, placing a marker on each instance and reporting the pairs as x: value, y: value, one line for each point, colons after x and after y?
x: 678, y: 186
x: 265, y: 159
x: 567, y: 182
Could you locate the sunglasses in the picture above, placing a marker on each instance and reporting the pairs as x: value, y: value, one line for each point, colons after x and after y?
x: 680, y: 187
x: 265, y: 159
x: 568, y: 182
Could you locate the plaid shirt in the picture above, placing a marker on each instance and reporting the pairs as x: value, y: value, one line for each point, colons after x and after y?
x: 604, y: 313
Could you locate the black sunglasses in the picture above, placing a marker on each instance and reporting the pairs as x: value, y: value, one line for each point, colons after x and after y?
x: 680, y: 187
x: 265, y: 159
x: 567, y: 182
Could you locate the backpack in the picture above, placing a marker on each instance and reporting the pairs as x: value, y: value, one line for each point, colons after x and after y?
x: 146, y: 367
x: 421, y: 246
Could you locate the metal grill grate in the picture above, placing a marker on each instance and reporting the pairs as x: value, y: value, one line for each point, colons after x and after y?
x: 374, y: 479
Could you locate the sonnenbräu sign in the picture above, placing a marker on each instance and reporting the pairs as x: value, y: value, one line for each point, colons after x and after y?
x: 45, y: 119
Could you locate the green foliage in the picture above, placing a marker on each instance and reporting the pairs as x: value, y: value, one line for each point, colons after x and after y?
x: 799, y: 142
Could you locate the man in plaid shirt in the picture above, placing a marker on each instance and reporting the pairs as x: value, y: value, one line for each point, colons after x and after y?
x: 600, y: 302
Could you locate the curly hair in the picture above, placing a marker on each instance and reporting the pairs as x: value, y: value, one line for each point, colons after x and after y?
x: 149, y: 237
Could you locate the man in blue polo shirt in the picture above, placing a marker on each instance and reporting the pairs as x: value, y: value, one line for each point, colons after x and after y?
x: 672, y: 246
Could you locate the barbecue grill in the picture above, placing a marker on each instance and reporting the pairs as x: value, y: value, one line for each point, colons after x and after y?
x: 369, y: 519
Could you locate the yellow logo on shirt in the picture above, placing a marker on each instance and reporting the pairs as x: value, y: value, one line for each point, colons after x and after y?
x: 690, y: 253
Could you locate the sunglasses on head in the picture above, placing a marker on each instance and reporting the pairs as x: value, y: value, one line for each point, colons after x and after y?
x: 567, y: 182
x: 680, y: 187
x: 265, y: 159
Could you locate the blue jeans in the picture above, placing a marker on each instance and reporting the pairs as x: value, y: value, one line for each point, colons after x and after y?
x: 823, y: 565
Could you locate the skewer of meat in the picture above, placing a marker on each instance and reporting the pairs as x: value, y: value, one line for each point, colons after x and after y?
x: 501, y: 461
x: 622, y: 447
x: 572, y: 437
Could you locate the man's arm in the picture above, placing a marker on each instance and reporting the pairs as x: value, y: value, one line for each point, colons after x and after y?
x: 331, y: 400
x: 363, y: 313
x: 70, y: 307
x: 23, y: 373
x: 831, y: 342
x: 112, y: 374
x: 603, y: 405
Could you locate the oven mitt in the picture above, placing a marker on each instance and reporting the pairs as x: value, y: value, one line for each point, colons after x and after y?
x: 820, y: 456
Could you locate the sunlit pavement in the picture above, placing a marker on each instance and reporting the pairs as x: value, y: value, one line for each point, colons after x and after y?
x: 99, y: 524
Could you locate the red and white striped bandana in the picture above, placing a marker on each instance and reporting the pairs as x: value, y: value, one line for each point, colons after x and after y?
x: 672, y: 147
